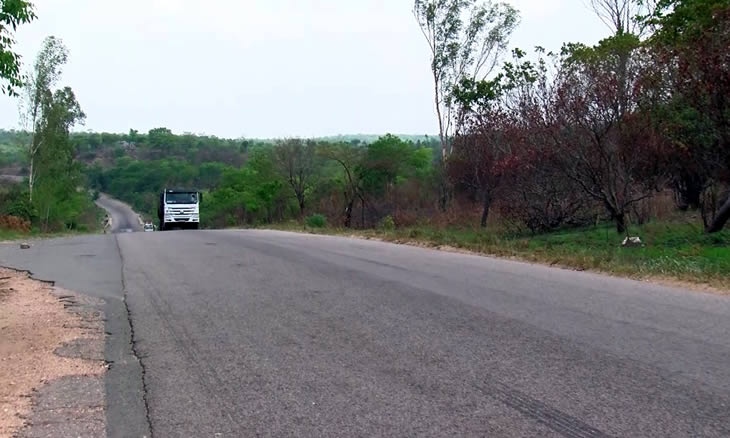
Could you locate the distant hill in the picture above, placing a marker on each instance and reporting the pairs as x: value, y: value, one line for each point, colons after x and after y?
x: 369, y: 138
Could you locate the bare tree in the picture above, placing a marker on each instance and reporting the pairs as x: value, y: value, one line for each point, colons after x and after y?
x: 466, y: 39
x: 624, y: 16
x: 480, y: 158
x: 605, y: 144
x: 296, y: 162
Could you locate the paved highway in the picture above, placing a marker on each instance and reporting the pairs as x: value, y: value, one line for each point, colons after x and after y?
x: 124, y: 219
x: 262, y: 333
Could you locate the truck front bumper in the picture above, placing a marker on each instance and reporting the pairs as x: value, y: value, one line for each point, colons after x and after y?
x: 182, y: 219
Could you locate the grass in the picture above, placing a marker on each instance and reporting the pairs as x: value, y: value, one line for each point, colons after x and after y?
x: 7, y: 235
x: 678, y: 251
x: 91, y: 223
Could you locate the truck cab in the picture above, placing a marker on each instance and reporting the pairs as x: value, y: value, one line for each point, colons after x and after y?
x: 179, y: 208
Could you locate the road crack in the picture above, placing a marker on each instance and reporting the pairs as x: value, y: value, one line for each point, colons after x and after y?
x: 133, y: 342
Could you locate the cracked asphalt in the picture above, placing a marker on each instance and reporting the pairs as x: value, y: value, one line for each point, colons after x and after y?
x: 263, y: 333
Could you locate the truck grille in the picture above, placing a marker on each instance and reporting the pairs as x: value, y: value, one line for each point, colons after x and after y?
x: 182, y: 211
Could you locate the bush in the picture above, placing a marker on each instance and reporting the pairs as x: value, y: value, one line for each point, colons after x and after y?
x: 13, y: 223
x: 387, y: 223
x: 17, y: 205
x: 317, y: 221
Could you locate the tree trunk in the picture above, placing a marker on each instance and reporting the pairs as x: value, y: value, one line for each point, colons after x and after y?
x: 348, y: 213
x: 485, y: 211
x: 301, y: 205
x: 620, y: 219
x: 688, y: 189
x: 718, y: 223
x: 442, y: 134
x: 31, y: 180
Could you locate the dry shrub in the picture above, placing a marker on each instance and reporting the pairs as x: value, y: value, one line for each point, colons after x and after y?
x: 13, y: 223
x: 659, y: 207
x: 407, y: 218
x: 461, y: 211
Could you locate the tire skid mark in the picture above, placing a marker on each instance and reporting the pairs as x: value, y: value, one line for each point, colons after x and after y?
x: 560, y: 422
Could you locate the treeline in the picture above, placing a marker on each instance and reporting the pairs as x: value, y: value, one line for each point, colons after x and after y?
x: 352, y: 183
x: 547, y: 140
x: 593, y: 131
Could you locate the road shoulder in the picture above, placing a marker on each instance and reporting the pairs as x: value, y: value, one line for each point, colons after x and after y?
x: 52, y: 352
x: 660, y: 280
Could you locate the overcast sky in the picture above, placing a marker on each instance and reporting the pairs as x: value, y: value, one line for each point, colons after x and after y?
x: 261, y: 68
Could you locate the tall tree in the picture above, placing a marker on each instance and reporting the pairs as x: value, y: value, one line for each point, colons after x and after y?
x: 296, y: 161
x: 625, y: 16
x: 466, y: 39
x: 12, y: 14
x: 606, y: 145
x: 38, y: 98
x: 57, y: 176
x: 349, y: 157
x: 693, y: 37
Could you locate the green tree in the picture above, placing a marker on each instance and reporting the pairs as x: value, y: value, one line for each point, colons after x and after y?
x: 462, y: 48
x: 161, y: 138
x: 39, y: 99
x: 58, y: 176
x: 13, y: 13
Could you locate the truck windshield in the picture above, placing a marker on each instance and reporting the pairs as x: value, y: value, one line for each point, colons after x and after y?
x: 181, y: 198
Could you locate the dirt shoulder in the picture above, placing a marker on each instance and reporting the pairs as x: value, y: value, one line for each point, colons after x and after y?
x: 46, y: 338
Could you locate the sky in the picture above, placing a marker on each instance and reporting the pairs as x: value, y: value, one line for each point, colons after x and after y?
x: 261, y: 68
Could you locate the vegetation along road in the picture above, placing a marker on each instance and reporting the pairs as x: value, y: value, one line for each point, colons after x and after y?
x: 606, y: 153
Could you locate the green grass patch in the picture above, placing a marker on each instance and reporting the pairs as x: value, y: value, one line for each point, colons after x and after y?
x: 672, y: 251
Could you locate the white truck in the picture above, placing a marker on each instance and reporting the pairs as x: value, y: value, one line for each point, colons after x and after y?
x: 179, y: 208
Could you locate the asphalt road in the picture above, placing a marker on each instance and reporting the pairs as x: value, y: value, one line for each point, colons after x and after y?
x: 260, y: 333
x: 124, y: 219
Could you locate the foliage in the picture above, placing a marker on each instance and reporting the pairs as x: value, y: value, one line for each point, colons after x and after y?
x: 317, y: 221
x: 462, y: 49
x: 537, y: 143
x: 13, y: 13
x: 387, y: 223
x: 693, y: 37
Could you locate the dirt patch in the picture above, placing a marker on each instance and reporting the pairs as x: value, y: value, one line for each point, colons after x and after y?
x: 33, y: 324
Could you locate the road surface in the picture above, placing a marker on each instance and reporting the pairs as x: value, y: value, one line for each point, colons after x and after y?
x: 12, y: 178
x: 124, y: 219
x: 262, y: 333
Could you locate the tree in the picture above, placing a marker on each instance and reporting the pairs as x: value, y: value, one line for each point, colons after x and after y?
x: 606, y: 145
x: 692, y: 37
x: 479, y: 160
x: 296, y: 161
x: 38, y: 99
x: 349, y: 157
x: 12, y: 14
x: 625, y: 16
x: 161, y: 138
x: 58, y: 176
x: 466, y: 39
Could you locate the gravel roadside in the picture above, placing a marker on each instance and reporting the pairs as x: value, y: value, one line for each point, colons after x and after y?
x: 51, y: 360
